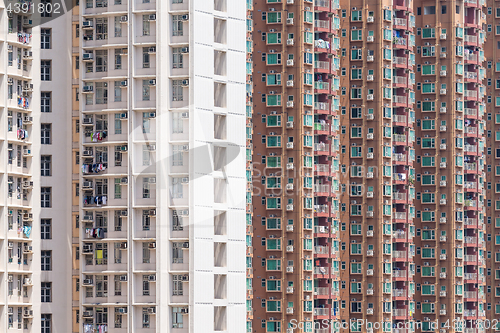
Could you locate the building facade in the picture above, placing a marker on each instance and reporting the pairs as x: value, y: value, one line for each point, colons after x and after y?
x: 162, y: 148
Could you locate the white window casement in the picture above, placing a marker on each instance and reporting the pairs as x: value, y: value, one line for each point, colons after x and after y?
x: 45, y: 69
x: 177, y: 289
x: 177, y: 93
x: 45, y: 101
x: 177, y: 253
x: 101, y: 28
x: 177, y: 155
x: 146, y: 25
x: 45, y: 39
x: 177, y: 123
x: 177, y: 25
x: 177, y: 58
x: 146, y: 253
x: 176, y: 189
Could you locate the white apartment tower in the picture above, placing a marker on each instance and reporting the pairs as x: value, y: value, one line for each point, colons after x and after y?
x: 162, y: 150
x: 35, y: 197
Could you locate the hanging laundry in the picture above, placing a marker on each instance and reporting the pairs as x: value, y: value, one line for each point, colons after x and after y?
x: 27, y: 231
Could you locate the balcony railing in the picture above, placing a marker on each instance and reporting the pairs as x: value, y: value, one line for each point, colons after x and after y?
x: 399, y: 99
x: 322, y: 85
x: 399, y: 41
x: 322, y: 311
x: 321, y: 106
x: 399, y: 274
x: 321, y: 270
x: 470, y: 294
x: 471, y: 258
x: 400, y: 22
x: 470, y: 203
x: 400, y: 61
x: 470, y: 148
x: 399, y: 292
x: 321, y: 147
x: 322, y: 168
x: 321, y: 249
x: 322, y: 3
x: 322, y: 126
x: 470, y: 221
x: 470, y: 185
x: 321, y: 209
x: 399, y: 176
x: 400, y: 312
x: 323, y: 291
x: 470, y: 166
x: 470, y: 57
x: 399, y: 118
x: 470, y: 93
x: 470, y: 276
x: 470, y: 313
x: 399, y: 80
x: 399, y: 254
x: 324, y: 24
x: 470, y: 75
x: 399, y: 137
x: 399, y: 234
x: 321, y: 188
x: 470, y: 239
x: 399, y: 215
x: 469, y: 38
x: 399, y: 196
x: 322, y: 65
x: 399, y: 157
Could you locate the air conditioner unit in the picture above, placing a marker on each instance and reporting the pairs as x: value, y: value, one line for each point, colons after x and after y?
x: 370, y: 38
x: 123, y: 245
x: 124, y: 83
x: 289, y: 269
x: 370, y: 58
x: 28, y: 119
x: 289, y: 228
x: 442, y: 36
x: 185, y: 245
x: 151, y: 147
x: 184, y: 49
x: 289, y: 62
x: 152, y: 245
x: 442, y: 257
x: 369, y: 97
x: 442, y: 109
x: 370, y: 116
x: 289, y: 104
x: 442, y: 55
x: 289, y: 207
x: 369, y: 136
x: 369, y: 155
x: 442, y: 165
x: 123, y: 213
x: 87, y: 24
x: 124, y: 18
x: 10, y: 80
x: 152, y: 50
x: 289, y: 166
x: 442, y: 183
x: 185, y: 277
x: 289, y: 83
x: 88, y: 282
x: 369, y: 77
x: 442, y: 128
x: 369, y: 272
x: 121, y: 310
x: 289, y: 145
x: 88, y: 89
x: 87, y: 184
x: 289, y: 310
x: 369, y: 194
x: 152, y: 82
x: 152, y: 17
x: 184, y: 212
x: 152, y: 277
x: 289, y: 21
x: 442, y: 146
x: 153, y: 310
x: 442, y: 91
x: 151, y: 212
x: 185, y: 17
x: 88, y: 56
x: 123, y: 278
x: 370, y: 19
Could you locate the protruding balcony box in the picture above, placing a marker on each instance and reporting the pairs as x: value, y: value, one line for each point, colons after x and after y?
x: 322, y: 5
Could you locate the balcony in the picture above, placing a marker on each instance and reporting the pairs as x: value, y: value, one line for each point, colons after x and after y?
x: 398, y: 41
x: 400, y: 61
x: 322, y: 65
x: 399, y: 157
x: 399, y: 137
x: 470, y: 148
x: 399, y: 99
x: 400, y: 80
x: 321, y: 270
x: 324, y: 147
x: 399, y: 254
x: 470, y: 221
x: 399, y: 234
x: 322, y: 85
x: 470, y: 203
x: 322, y: 126
x: 399, y: 216
x: 470, y: 166
x: 400, y: 312
x: 321, y: 106
x: 321, y: 250
x: 399, y: 292
x: 322, y: 24
x: 318, y: 188
x: 399, y: 196
x: 470, y: 75
x: 399, y: 274
x: 470, y: 294
x: 321, y: 209
x: 400, y: 22
x: 399, y: 118
x: 322, y: 168
x: 322, y: 311
x: 470, y: 276
x: 470, y: 258
x: 399, y: 177
x: 469, y: 38
x: 470, y: 93
x: 470, y: 185
x: 470, y: 57
x: 470, y: 313
x: 470, y: 239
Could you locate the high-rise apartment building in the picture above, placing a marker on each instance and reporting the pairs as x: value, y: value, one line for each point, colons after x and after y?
x: 295, y: 163
x: 35, y: 173
x: 410, y: 228
x: 163, y: 181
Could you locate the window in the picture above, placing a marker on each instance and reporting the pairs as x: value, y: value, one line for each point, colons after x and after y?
x: 146, y: 253
x: 46, y: 259
x: 177, y: 94
x: 118, y: 92
x: 176, y: 189
x: 46, y: 323
x: 45, y: 70
x: 45, y: 101
x: 145, y: 318
x: 177, y: 25
x: 46, y: 228
x: 101, y: 28
x: 45, y: 197
x: 177, y: 58
x: 177, y: 318
x: 177, y: 253
x: 118, y: 58
x: 45, y: 165
x: 146, y: 90
x: 145, y: 285
x: 177, y: 285
x: 45, y: 38
x: 146, y: 63
x: 146, y: 123
x: 101, y: 61
x: 118, y: 188
x: 45, y: 133
x: 146, y: 25
x: 46, y: 11
x: 101, y: 93
x: 118, y: 26
x: 177, y: 155
x: 177, y: 123
x: 46, y: 292
x: 146, y: 222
